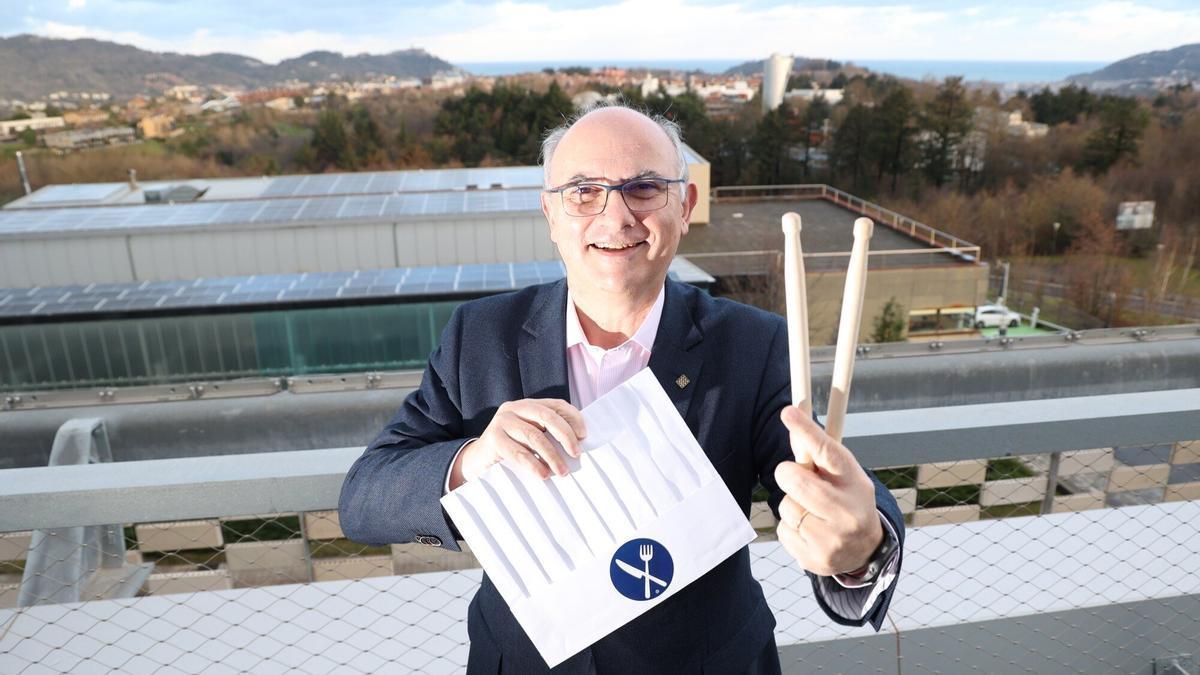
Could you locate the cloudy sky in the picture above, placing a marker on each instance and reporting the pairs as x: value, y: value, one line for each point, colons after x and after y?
x: 465, y: 31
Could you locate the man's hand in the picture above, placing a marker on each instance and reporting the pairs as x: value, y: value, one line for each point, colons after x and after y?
x: 828, y: 520
x: 520, y: 432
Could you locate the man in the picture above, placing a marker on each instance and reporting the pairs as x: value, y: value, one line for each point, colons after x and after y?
x: 512, y: 371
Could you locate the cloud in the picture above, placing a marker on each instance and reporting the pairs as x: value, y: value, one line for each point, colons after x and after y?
x: 76, y: 4
x: 68, y: 31
x: 540, y: 30
x: 677, y: 29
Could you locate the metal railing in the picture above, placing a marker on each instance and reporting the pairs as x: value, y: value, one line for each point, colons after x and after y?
x: 1042, y: 534
x: 901, y: 223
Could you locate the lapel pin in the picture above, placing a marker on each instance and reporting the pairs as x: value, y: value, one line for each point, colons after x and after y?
x: 682, y: 381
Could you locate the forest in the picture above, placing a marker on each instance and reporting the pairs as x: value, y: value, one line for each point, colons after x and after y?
x: 1045, y: 203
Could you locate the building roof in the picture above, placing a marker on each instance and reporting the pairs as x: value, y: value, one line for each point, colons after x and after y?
x: 748, y: 226
x: 303, y: 185
x: 281, y: 187
x: 274, y: 291
x: 21, y: 223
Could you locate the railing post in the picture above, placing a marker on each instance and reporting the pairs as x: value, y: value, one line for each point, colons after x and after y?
x: 1051, y: 483
x: 62, y: 561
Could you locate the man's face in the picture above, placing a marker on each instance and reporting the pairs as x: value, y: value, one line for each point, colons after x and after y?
x: 617, y: 251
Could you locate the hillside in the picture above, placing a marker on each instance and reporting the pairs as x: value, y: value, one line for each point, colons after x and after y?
x: 1146, y: 71
x: 32, y: 67
x: 801, y: 64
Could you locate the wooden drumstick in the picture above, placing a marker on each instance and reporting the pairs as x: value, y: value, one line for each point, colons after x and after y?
x: 796, y: 303
x: 847, y: 342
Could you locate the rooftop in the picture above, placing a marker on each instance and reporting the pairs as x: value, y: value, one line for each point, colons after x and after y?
x: 305, y: 185
x: 828, y: 227
x: 288, y: 290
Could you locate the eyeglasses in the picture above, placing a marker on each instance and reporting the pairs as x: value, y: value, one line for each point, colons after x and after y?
x: 640, y: 195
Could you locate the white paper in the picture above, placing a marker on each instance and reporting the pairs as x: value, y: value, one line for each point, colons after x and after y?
x: 643, y: 493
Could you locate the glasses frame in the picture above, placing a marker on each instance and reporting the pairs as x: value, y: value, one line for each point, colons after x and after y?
x: 608, y: 191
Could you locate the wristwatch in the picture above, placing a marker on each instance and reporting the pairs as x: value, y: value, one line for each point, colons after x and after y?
x: 870, y: 572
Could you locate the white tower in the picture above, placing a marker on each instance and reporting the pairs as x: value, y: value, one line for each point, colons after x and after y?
x: 776, y: 71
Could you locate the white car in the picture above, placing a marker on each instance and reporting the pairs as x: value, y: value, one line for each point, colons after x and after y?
x: 994, y: 316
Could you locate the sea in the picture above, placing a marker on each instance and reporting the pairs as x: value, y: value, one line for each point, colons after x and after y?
x: 973, y: 71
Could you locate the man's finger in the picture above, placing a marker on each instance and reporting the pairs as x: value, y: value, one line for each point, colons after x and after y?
x: 795, y: 515
x: 523, y: 457
x: 562, y: 431
x: 535, y: 440
x: 803, y: 485
x: 825, y: 452
x: 569, y: 413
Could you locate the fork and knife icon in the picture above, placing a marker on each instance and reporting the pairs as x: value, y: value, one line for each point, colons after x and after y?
x: 646, y: 554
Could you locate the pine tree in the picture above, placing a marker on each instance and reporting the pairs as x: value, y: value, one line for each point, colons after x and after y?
x: 946, y: 121
x: 1122, y: 122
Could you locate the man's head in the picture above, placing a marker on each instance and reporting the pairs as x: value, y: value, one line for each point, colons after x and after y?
x: 621, y: 249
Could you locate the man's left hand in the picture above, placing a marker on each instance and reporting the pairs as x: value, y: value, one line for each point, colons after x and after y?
x: 828, y: 520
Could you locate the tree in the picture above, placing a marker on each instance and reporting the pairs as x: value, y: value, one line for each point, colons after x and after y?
x: 889, y: 325
x: 770, y: 146
x: 891, y: 137
x: 851, y: 153
x: 815, y: 114
x: 946, y: 121
x: 1122, y: 122
x: 1067, y: 105
x: 330, y: 144
x: 368, y: 140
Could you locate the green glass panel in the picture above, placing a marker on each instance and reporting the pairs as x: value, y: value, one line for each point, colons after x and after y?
x: 158, y: 350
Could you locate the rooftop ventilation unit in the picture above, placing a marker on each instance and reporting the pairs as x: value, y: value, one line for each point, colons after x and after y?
x: 173, y: 194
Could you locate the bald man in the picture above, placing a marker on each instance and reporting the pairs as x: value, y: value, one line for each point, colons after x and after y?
x: 512, y: 371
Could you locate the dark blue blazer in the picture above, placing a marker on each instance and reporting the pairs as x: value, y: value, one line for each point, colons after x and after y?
x: 512, y: 346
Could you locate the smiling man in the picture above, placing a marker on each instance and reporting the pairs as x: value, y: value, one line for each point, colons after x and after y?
x: 512, y: 372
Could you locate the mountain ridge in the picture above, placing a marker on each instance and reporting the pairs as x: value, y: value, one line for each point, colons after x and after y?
x: 32, y: 67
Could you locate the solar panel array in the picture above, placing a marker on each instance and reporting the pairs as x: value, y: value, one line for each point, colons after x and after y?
x: 313, y: 209
x: 384, y: 182
x: 274, y: 289
x: 284, y: 289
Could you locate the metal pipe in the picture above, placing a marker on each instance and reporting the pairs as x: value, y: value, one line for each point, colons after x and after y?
x: 24, y: 173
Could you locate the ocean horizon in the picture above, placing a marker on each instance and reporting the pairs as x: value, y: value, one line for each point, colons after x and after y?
x: 973, y: 71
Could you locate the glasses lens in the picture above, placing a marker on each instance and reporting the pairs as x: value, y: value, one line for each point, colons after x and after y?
x: 584, y: 199
x: 645, y: 195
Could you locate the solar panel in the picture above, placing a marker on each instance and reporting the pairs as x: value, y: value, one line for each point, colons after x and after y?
x: 280, y: 210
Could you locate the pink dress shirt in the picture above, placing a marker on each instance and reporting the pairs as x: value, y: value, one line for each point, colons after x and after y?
x: 593, y: 371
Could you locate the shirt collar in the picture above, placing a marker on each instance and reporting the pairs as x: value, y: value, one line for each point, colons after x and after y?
x: 643, y: 337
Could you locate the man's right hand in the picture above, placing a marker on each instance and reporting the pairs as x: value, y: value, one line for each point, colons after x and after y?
x: 520, y: 432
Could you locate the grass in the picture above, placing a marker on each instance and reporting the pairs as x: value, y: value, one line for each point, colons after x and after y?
x: 1011, y: 510
x: 898, y: 478
x: 275, y: 529
x: 999, y: 469
x: 343, y: 548
x: 290, y: 130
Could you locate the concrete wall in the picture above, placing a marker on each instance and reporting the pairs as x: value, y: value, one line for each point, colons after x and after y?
x: 282, y: 249
x: 913, y: 288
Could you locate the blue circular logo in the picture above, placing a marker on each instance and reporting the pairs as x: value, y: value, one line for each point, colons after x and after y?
x: 641, y: 569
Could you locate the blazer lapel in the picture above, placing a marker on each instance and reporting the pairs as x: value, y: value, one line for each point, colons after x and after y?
x: 542, y: 349
x: 674, y: 361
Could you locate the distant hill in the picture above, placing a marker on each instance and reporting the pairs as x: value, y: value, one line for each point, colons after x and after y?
x: 801, y: 64
x: 32, y: 67
x: 1147, y: 71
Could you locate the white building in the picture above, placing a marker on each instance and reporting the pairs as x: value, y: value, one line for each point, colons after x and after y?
x: 13, y: 127
x: 831, y: 96
x: 776, y: 71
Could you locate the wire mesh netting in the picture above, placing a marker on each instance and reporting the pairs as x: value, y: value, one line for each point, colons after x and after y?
x: 1095, y: 542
